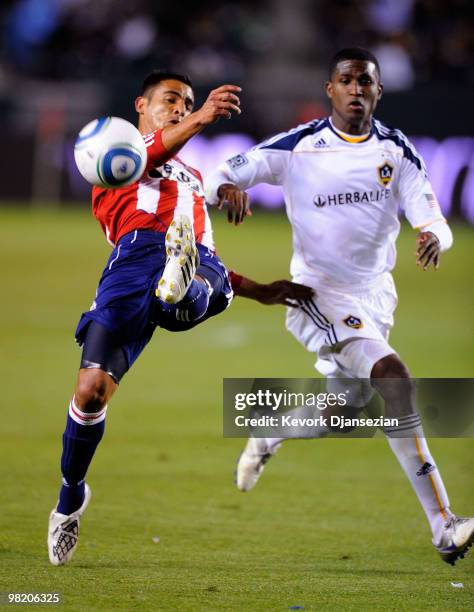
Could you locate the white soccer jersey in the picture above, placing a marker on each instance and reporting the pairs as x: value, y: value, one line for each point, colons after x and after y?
x: 342, y: 196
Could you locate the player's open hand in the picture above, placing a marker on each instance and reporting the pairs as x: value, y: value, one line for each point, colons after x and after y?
x: 284, y: 292
x: 428, y: 250
x: 221, y: 102
x: 238, y: 203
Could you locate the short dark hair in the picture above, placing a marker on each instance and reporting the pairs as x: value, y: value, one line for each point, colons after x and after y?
x: 353, y: 53
x: 156, y: 76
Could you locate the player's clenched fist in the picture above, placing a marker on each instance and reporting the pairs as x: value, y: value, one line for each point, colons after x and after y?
x: 221, y: 102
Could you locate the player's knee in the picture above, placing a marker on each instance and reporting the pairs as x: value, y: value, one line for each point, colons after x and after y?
x: 390, y: 366
x: 92, y: 390
x: 185, y: 314
x: 391, y: 378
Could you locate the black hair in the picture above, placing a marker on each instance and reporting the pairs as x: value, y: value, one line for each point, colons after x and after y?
x: 353, y: 53
x: 156, y: 76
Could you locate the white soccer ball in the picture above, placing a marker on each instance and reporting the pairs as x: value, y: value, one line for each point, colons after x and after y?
x: 110, y: 152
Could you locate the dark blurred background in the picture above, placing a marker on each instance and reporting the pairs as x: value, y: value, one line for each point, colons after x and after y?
x: 65, y: 62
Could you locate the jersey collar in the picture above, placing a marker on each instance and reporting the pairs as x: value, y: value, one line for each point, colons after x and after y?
x: 350, y: 137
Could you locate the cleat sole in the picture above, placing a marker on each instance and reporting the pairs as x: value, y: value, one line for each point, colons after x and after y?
x: 456, y: 556
x: 182, y: 260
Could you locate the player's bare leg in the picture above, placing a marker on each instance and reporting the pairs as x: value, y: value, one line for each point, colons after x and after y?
x: 452, y: 535
x: 84, y: 430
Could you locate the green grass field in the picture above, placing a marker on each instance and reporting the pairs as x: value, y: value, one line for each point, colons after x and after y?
x: 333, y: 523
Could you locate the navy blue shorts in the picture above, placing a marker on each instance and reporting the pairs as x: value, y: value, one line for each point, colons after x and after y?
x: 125, y: 303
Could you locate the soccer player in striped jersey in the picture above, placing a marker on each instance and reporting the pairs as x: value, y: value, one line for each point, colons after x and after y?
x: 344, y: 179
x: 163, y: 271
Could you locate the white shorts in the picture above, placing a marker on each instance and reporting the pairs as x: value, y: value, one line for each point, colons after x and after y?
x: 330, y: 323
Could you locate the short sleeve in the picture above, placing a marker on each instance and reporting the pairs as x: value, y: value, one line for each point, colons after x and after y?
x: 156, y: 151
x: 248, y: 169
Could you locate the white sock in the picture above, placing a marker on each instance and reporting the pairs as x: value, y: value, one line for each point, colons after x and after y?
x: 409, y: 445
x: 272, y: 442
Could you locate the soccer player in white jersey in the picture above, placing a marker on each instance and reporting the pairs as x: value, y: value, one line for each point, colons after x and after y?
x: 344, y: 179
x: 163, y: 271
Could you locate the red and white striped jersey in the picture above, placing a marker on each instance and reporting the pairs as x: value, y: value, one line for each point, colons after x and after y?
x: 168, y: 186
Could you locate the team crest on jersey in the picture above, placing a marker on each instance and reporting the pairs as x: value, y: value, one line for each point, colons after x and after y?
x: 385, y: 172
x: 353, y: 322
x: 237, y: 161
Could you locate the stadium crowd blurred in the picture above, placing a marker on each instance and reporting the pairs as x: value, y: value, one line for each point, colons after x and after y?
x: 113, y: 41
x: 215, y: 41
x: 63, y: 62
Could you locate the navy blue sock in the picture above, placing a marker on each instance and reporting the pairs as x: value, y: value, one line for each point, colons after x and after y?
x: 80, y: 439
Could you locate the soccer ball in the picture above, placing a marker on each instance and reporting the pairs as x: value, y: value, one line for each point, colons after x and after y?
x: 110, y: 152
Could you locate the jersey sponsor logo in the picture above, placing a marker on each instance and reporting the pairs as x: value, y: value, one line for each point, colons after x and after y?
x: 355, y: 197
x: 353, y: 322
x: 237, y: 161
x: 425, y: 469
x: 159, y: 173
x: 385, y: 173
x: 167, y: 171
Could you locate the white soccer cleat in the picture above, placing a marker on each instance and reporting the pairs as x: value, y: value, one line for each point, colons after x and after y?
x: 182, y: 260
x: 63, y: 532
x: 252, y: 461
x: 457, y: 538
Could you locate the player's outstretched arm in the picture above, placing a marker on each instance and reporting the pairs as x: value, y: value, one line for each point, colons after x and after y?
x: 428, y: 250
x: 278, y: 292
x: 221, y: 103
x: 237, y: 201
